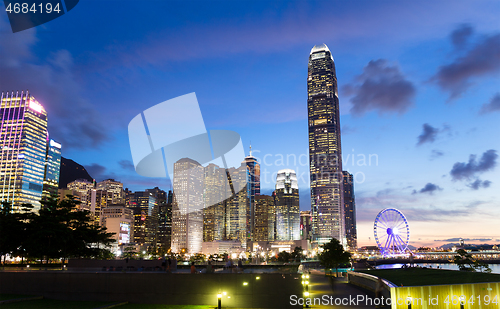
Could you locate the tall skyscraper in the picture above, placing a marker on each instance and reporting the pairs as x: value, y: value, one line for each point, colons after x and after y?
x: 145, y: 209
x: 349, y: 211
x: 216, y: 188
x: 237, y: 205
x: 187, y: 206
x: 165, y: 224
x: 23, y: 138
x: 324, y: 147
x: 305, y: 225
x: 253, y: 189
x: 52, y: 168
x: 287, y: 206
x: 264, y: 218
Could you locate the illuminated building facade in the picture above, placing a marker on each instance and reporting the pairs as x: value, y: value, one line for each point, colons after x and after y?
x: 52, y: 169
x: 216, y: 188
x: 253, y: 190
x: 324, y: 147
x: 287, y: 206
x: 23, y: 138
x: 145, y: 209
x: 118, y: 219
x: 164, y: 237
x: 238, y: 206
x: 84, y: 188
x: 264, y: 218
x: 187, y: 206
x: 305, y: 225
x: 113, y: 186
x: 349, y: 210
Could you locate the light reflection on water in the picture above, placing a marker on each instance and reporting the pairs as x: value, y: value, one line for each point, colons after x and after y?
x: 495, y: 268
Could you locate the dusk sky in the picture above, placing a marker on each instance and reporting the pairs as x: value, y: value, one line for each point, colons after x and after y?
x: 419, y: 91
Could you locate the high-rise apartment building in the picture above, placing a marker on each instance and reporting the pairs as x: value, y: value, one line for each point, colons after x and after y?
x: 324, y: 147
x: 287, y: 206
x: 349, y: 211
x: 23, y: 138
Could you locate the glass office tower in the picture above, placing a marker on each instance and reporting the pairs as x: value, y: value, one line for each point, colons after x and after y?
x: 324, y: 147
x: 253, y: 190
x: 287, y: 206
x: 23, y: 138
x: 52, y: 169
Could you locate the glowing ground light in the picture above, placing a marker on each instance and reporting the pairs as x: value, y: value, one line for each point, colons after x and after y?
x: 245, y: 283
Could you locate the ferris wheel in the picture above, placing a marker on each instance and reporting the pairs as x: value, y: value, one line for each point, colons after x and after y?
x: 392, y: 232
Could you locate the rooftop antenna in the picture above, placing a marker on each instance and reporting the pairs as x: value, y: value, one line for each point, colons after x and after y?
x: 250, y: 148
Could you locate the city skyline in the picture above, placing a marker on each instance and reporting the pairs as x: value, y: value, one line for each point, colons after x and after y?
x: 418, y: 89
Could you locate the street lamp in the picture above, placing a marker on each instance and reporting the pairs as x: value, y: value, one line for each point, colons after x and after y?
x: 219, y: 300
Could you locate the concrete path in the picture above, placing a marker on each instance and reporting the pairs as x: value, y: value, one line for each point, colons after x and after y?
x: 337, y: 293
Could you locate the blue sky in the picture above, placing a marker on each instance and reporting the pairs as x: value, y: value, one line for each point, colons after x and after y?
x: 418, y: 87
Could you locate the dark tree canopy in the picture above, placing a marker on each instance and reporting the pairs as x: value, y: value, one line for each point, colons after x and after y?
x: 333, y: 255
x: 57, y: 231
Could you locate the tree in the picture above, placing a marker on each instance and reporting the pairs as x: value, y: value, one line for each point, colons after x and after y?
x: 59, y: 230
x: 333, y: 255
x: 13, y: 229
x: 297, y: 254
x: 284, y: 257
x: 465, y: 262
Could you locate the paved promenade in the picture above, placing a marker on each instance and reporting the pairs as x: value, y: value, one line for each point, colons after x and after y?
x: 353, y: 297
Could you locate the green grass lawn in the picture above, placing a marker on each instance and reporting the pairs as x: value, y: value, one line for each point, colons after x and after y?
x: 423, y: 276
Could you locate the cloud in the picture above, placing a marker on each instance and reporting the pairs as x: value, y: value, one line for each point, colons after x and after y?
x: 492, y: 106
x: 428, y: 135
x: 95, y: 170
x: 436, y: 154
x: 466, y: 171
x: 482, y: 59
x: 72, y: 121
x: 460, y: 36
x: 465, y: 239
x: 126, y: 165
x: 428, y: 188
x: 346, y: 129
x: 381, y: 87
x: 479, y: 184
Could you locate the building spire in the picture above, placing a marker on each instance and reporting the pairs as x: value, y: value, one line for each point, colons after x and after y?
x: 250, y: 148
